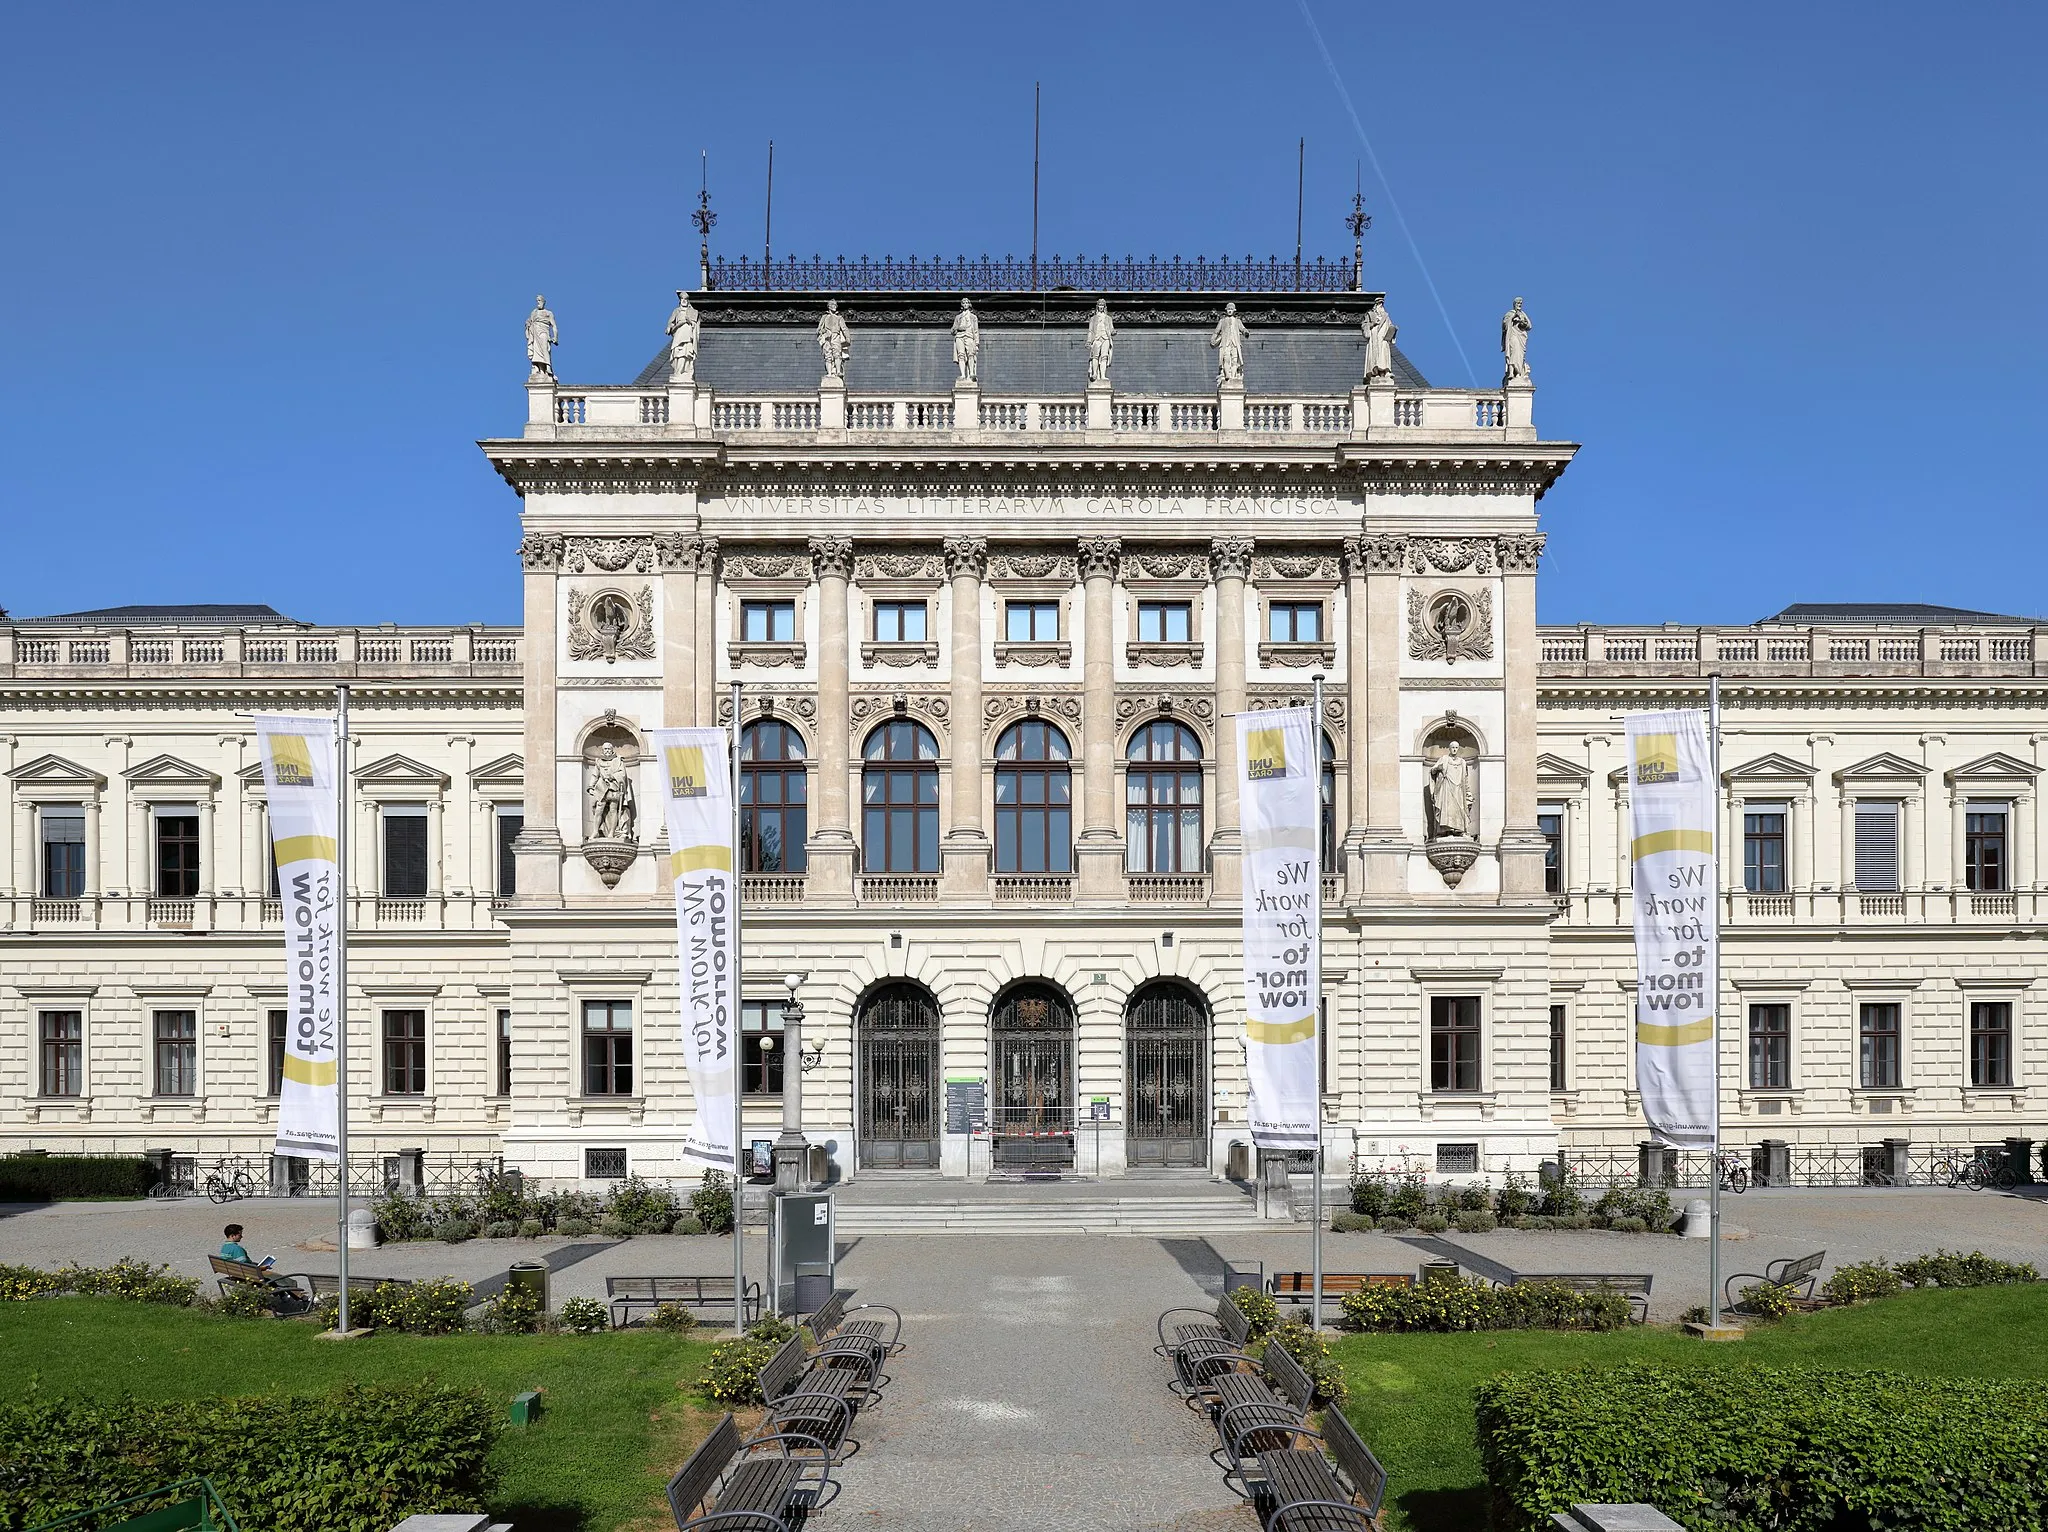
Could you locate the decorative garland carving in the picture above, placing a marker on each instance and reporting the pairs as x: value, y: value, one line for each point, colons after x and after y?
x: 1032, y: 566
x: 869, y: 707
x: 1196, y: 705
x: 1165, y: 564
x: 832, y: 556
x: 1334, y: 710
x: 1301, y: 566
x: 773, y: 705
x: 609, y: 554
x: 1450, y: 555
x: 1099, y: 556
x: 997, y: 711
x: 1519, y: 552
x: 1450, y: 625
x: 766, y: 565
x: 896, y: 566
x: 541, y: 550
x: 674, y: 551
x: 608, y: 625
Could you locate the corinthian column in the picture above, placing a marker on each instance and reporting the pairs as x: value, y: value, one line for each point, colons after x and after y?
x: 1357, y: 677
x: 1386, y: 850
x: 1521, y: 840
x: 966, y: 847
x: 832, y: 845
x: 1232, y: 560
x: 1101, y: 853
x: 538, y: 849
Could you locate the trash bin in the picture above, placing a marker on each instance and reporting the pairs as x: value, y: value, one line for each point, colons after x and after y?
x: 531, y: 1277
x: 1438, y: 1269
x: 1237, y: 1160
x: 362, y: 1229
x: 813, y: 1286
x: 2019, y: 1159
x: 1252, y: 1276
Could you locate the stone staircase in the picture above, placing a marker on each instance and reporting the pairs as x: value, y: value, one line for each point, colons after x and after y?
x: 1220, y: 1211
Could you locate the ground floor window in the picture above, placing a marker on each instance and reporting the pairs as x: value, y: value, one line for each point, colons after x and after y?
x: 63, y: 1051
x: 1454, y: 1042
x: 177, y: 1053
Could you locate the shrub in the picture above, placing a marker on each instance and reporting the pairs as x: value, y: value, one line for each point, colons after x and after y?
x: 505, y: 1228
x: 455, y: 1231
x: 1531, y: 1221
x: 584, y: 1316
x: 132, y: 1279
x: 1394, y: 1223
x: 501, y: 1204
x: 1369, y: 1195
x: 356, y: 1460
x: 531, y: 1228
x: 1746, y: 1449
x: 711, y: 1203
x: 1768, y: 1301
x: 1259, y: 1307
x: 687, y: 1223
x: 1948, y: 1268
x: 1410, y: 1197
x: 1626, y: 1225
x: 401, y: 1217
x: 732, y: 1375
x: 22, y: 1282
x: 673, y: 1317
x: 1452, y: 1302
x: 244, y: 1300
x: 1561, y: 1199
x: 1476, y: 1222
x: 1865, y: 1279
x: 1351, y: 1223
x: 1514, y: 1200
x: 54, y: 1177
x: 1574, y: 1221
x: 573, y: 1226
x: 1312, y: 1350
x: 554, y: 1207
x: 1433, y: 1223
x: 515, y: 1311
x: 771, y: 1327
x: 1649, y: 1204
x: 1696, y: 1315
x: 615, y: 1228
x: 641, y: 1206
x: 425, y: 1308
x: 1473, y: 1197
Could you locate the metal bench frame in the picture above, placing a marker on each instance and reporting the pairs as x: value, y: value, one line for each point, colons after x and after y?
x: 281, y: 1288
x: 1796, y: 1273
x: 1226, y: 1323
x: 1355, y: 1468
x: 1634, y: 1286
x: 707, y: 1470
x: 627, y: 1294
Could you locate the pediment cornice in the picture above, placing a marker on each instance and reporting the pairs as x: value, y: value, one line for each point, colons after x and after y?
x: 1882, y: 767
x: 399, y: 771
x: 55, y: 771
x: 169, y: 771
x: 1770, y: 768
x: 1995, y: 767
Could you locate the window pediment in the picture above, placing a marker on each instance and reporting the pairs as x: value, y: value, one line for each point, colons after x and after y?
x: 54, y: 771
x: 1555, y: 771
x: 1768, y: 770
x: 400, y: 771
x: 507, y: 771
x: 1995, y: 767
x: 169, y: 771
x: 1883, y: 767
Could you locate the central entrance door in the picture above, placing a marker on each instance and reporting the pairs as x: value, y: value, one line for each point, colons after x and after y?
x: 898, y: 1033
x: 1166, y: 1057
x: 1033, y: 1029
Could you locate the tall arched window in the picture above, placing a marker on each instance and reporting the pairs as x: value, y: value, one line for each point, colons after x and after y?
x: 1329, y: 790
x: 899, y: 795
x: 1163, y: 800
x: 772, y: 819
x: 1034, y: 799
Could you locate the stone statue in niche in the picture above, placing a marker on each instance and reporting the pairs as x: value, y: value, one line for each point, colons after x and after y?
x: 835, y: 341
x: 967, y: 342
x: 541, y: 339
x: 611, y: 808
x: 683, y: 328
x: 1379, y: 330
x: 1228, y: 339
x: 1514, y: 344
x: 1101, y: 342
x: 1450, y: 801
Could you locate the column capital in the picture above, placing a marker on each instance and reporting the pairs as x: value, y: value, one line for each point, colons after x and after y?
x: 832, y: 556
x: 1519, y: 552
x: 1376, y: 553
x: 1231, y: 557
x: 681, y: 554
x: 1100, y: 557
x: 966, y: 556
x: 540, y: 551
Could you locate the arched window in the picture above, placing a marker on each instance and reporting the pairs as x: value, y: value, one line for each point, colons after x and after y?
x: 772, y: 820
x: 899, y: 795
x: 1034, y: 799
x: 1329, y: 790
x: 1163, y: 800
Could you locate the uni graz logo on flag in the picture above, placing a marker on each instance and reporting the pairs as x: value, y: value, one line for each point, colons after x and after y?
x: 1656, y: 759
x: 291, y: 760
x: 686, y: 771
x: 1265, y: 754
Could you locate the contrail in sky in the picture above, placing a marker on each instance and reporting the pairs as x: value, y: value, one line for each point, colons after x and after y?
x: 1408, y: 234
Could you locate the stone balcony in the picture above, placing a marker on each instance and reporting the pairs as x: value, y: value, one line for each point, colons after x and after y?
x: 1871, y: 652
x: 296, y: 652
x: 229, y: 913
x: 1814, y: 908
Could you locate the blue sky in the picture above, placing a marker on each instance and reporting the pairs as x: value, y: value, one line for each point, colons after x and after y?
x: 265, y: 268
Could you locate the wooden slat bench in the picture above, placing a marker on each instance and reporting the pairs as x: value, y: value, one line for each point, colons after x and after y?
x: 631, y: 1295
x: 1336, y: 1284
x: 730, y: 1485
x: 1225, y: 1322
x: 1634, y: 1286
x: 841, y: 1338
x: 1308, y: 1492
x: 326, y: 1285
x: 1289, y: 1376
x: 806, y: 1404
x: 1201, y: 1352
x: 1797, y: 1275
x: 1250, y: 1418
x: 282, y: 1292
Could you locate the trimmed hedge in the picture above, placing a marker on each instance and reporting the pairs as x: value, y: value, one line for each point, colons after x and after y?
x: 54, y: 1177
x: 1448, y: 1303
x: 356, y: 1460
x: 1760, y: 1449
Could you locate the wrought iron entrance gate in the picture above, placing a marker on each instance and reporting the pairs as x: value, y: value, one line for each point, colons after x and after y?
x: 1033, y: 1120
x: 898, y: 1038
x: 1166, y: 1056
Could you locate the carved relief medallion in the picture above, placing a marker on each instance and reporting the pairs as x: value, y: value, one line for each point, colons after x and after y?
x: 1450, y: 625
x: 610, y: 624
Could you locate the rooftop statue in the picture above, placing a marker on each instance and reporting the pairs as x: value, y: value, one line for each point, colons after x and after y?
x: 541, y: 339
x: 1379, y: 329
x: 683, y: 326
x: 1101, y: 342
x: 1514, y: 344
x: 835, y: 342
x: 967, y: 342
x: 1228, y: 339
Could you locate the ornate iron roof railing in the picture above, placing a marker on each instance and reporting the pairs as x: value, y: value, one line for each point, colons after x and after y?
x: 1014, y: 274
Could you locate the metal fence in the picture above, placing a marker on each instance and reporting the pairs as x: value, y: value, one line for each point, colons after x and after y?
x: 369, y: 1175
x: 1010, y: 274
x: 1803, y: 1165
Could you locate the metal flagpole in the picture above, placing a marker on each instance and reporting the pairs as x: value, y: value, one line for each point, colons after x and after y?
x: 341, y: 994
x: 1315, y: 994
x: 1714, y: 1169
x: 739, y: 1248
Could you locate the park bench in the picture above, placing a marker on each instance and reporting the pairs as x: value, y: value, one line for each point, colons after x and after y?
x: 1309, y: 1492
x: 1201, y: 1352
x: 326, y: 1285
x: 807, y: 1404
x: 728, y: 1484
x: 1797, y: 1276
x: 1336, y: 1284
x: 1634, y: 1286
x: 281, y: 1291
x: 840, y: 1337
x: 1250, y: 1418
x: 1289, y: 1376
x: 630, y: 1295
x: 1226, y: 1322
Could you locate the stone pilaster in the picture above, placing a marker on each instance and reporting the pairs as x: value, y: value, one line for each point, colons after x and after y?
x: 678, y: 556
x: 1521, y: 841
x: 1101, y: 851
x: 832, y: 844
x: 538, y: 849
x: 966, y: 848
x: 1358, y: 670
x: 707, y: 631
x: 1232, y: 561
x: 1385, y: 845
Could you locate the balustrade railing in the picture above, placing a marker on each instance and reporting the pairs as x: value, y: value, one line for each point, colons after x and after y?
x: 796, y: 415
x: 1269, y: 417
x: 899, y: 888
x: 1192, y: 417
x: 1133, y: 416
x: 1326, y: 417
x: 1033, y: 888
x: 735, y: 415
x: 1167, y: 887
x: 1042, y: 273
x: 654, y: 409
x: 1818, y: 651
x: 571, y: 409
x: 760, y: 888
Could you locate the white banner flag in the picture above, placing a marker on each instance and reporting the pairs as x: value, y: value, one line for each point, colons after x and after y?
x: 697, y: 787
x: 1278, y: 781
x: 298, y: 775
x: 1672, y: 812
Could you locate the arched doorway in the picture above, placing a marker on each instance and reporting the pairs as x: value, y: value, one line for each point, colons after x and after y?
x: 1166, y: 1076
x: 896, y: 1036
x: 1033, y: 1114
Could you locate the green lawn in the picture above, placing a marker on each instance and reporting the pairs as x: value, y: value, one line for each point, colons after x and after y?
x: 614, y: 1425
x: 1411, y: 1395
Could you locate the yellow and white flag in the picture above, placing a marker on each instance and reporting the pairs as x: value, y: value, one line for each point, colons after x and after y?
x: 1278, y: 771
x: 298, y: 776
x: 1672, y: 801
x: 697, y: 789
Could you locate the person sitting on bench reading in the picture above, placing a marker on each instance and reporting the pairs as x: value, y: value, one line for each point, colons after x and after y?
x: 231, y: 1248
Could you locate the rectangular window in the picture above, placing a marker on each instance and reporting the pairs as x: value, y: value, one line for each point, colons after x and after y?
x: 1454, y: 1042
x: 63, y: 1050
x: 1770, y: 1047
x: 504, y: 1053
x: 1984, y: 852
x: 1550, y: 820
x: 177, y: 854
x: 899, y: 622
x: 273, y: 1075
x: 1164, y: 622
x: 405, y: 851
x: 1557, y: 1075
x: 1457, y: 1159
x: 1877, y: 1027
x: 1295, y: 622
x: 761, y: 1047
x: 768, y: 622
x: 510, y: 823
x: 1032, y: 622
x: 405, y: 1053
x: 1991, y: 1042
x: 63, y: 853
x: 1877, y: 846
x: 607, y: 1048
x: 604, y: 1164
x: 177, y: 1053
x: 1763, y: 848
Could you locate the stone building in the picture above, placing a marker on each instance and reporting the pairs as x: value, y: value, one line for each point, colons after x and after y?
x: 983, y: 591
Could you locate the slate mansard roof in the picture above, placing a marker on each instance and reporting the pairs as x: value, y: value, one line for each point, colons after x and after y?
x: 153, y: 616
x: 1031, y: 343
x: 1905, y: 613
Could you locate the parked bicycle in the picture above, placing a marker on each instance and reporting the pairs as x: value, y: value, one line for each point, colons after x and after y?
x: 229, y: 1184
x: 1975, y: 1171
x: 1734, y: 1172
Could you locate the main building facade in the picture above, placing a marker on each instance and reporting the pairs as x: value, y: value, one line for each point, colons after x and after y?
x: 982, y: 595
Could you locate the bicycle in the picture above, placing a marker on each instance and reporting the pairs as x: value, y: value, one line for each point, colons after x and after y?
x: 1974, y: 1172
x: 224, y: 1185
x: 1734, y: 1174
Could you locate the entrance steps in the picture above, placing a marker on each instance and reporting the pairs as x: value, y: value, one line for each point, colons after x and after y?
x: 1220, y: 1211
